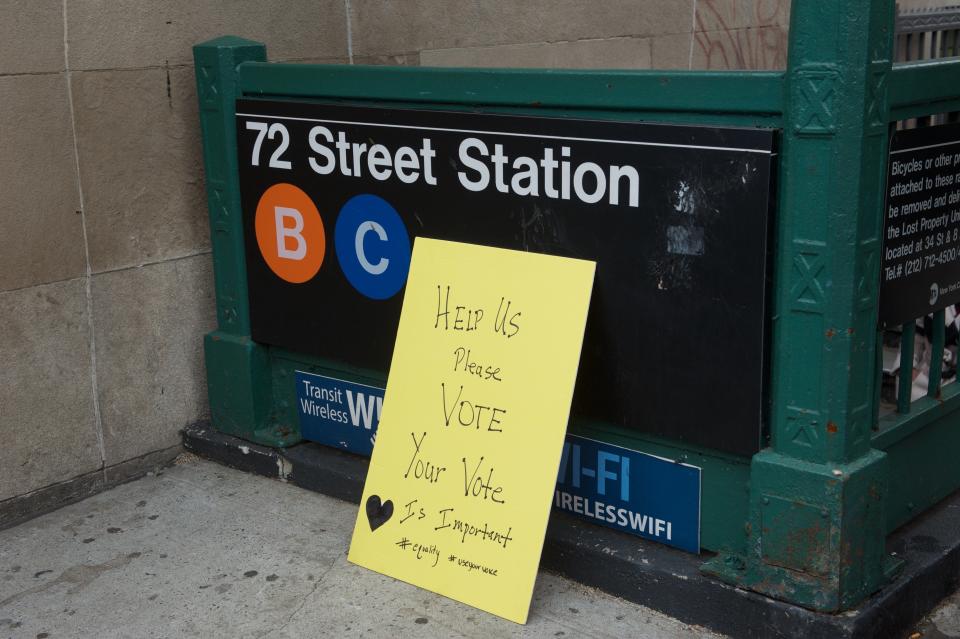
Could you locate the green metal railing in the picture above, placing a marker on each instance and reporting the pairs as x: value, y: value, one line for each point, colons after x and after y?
x: 922, y: 433
x: 926, y: 38
x: 927, y: 33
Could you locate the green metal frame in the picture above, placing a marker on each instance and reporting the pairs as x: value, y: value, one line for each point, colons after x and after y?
x: 804, y: 520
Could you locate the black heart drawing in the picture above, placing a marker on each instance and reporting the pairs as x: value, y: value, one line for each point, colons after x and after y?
x: 377, y: 513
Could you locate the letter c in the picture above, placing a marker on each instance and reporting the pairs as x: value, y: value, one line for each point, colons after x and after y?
x: 383, y: 262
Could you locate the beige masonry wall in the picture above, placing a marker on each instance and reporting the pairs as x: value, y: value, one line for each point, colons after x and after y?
x: 629, y: 34
x: 106, y: 284
x: 105, y: 269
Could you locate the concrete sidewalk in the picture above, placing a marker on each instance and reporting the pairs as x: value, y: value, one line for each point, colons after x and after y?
x: 201, y: 550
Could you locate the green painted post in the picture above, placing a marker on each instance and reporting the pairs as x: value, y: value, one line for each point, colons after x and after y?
x: 936, y: 354
x: 816, y: 530
x: 238, y: 369
x: 908, y: 336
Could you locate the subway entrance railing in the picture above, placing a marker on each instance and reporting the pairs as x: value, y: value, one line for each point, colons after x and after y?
x: 799, y: 512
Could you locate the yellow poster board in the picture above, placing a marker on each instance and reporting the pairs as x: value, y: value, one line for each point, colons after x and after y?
x: 478, y: 397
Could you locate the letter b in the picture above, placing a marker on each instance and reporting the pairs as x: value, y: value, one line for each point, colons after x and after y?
x: 284, y: 232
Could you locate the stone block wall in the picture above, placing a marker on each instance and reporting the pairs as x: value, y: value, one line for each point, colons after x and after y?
x: 680, y: 34
x: 106, y: 284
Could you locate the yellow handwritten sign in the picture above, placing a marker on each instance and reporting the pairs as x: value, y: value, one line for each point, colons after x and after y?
x: 462, y: 475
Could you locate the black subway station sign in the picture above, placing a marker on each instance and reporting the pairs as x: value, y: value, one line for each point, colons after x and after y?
x: 676, y: 218
x: 920, y: 272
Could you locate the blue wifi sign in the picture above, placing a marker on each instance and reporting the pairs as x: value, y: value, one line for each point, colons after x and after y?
x: 631, y: 491
x: 338, y: 413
